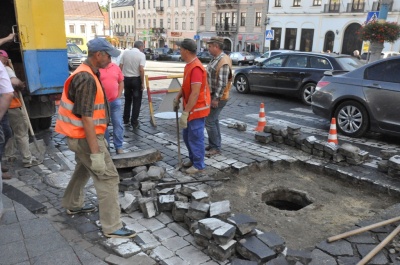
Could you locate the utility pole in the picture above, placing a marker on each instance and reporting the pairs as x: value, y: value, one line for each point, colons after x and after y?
x: 266, y: 22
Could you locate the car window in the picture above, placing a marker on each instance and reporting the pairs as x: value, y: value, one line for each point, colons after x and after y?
x: 297, y: 61
x: 265, y: 55
x: 349, y: 63
x: 275, y: 53
x: 387, y: 71
x: 276, y: 61
x: 319, y: 62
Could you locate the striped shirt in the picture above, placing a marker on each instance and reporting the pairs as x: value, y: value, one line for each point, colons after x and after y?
x: 218, y: 83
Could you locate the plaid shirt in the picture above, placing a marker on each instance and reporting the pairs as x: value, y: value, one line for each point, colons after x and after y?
x: 218, y: 83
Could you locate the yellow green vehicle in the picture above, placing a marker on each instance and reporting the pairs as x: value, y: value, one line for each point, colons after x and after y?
x: 38, y: 53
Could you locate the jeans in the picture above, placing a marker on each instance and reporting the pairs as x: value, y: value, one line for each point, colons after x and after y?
x: 6, y: 129
x: 116, y: 120
x: 193, y: 136
x: 212, y: 126
x: 133, y: 97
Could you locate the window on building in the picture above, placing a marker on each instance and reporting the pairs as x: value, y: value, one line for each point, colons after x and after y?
x: 113, y: 15
x: 183, y: 2
x: 306, y: 42
x: 176, y: 3
x: 202, y: 19
x: 124, y: 14
x: 184, y: 23
x: 317, y: 2
x: 144, y: 23
x: 144, y: 4
x: 290, y: 38
x: 191, y: 23
x: 214, y: 19
x: 242, y: 19
x: 71, y: 28
x: 120, y: 14
x: 358, y: 5
x: 278, y: 3
x: 161, y: 23
x: 132, y: 13
x: 169, y: 23
x: 234, y: 19
x: 138, y: 23
x: 276, y: 42
x: 149, y: 23
x: 154, y: 3
x: 176, y: 24
x: 154, y: 23
x: 148, y: 4
x: 161, y: 3
x: 138, y: 5
x: 258, y: 19
x: 191, y: 2
x: 169, y: 3
x: 83, y: 29
x: 93, y: 29
x: 296, y: 2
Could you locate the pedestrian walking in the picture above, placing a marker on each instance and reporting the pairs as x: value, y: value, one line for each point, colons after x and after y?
x: 6, y: 94
x: 219, y: 77
x: 83, y: 117
x: 132, y: 65
x: 18, y: 121
x: 112, y: 80
x: 196, y: 106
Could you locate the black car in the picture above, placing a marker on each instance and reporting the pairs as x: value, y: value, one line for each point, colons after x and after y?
x: 204, y: 57
x: 361, y: 100
x: 162, y: 54
x: 294, y: 73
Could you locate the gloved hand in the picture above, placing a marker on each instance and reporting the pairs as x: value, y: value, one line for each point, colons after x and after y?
x: 98, y: 165
x: 183, y: 120
x: 176, y: 103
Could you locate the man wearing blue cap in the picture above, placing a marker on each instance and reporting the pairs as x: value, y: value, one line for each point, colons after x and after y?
x: 83, y: 117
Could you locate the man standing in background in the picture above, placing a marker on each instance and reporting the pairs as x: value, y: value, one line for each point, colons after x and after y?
x: 132, y: 65
x: 219, y: 77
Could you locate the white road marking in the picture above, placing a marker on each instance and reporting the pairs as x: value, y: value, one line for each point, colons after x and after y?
x: 302, y: 110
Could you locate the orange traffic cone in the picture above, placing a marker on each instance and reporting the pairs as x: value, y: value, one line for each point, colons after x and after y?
x: 261, y: 119
x: 332, y: 137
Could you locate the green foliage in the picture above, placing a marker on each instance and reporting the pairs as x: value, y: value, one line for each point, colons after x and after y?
x: 380, y: 32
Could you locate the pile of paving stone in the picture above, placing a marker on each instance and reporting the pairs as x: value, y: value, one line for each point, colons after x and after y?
x: 224, y: 235
x: 292, y: 136
x: 390, y: 163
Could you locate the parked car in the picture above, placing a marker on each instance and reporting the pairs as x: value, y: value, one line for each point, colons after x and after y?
x: 162, y: 54
x: 268, y: 54
x: 365, y: 55
x: 176, y: 56
x: 295, y: 73
x: 255, y: 54
x: 361, y: 100
x: 75, y: 56
x: 241, y: 58
x: 204, y: 57
x: 149, y: 53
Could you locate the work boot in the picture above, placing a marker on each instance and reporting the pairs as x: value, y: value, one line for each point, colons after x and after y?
x: 6, y: 175
x: 4, y: 168
x: 212, y: 152
x: 193, y: 170
x: 85, y: 209
x: 122, y: 233
x: 188, y: 164
x: 120, y: 151
x: 33, y: 162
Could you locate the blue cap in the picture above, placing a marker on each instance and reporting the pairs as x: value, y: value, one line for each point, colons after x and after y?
x: 100, y: 44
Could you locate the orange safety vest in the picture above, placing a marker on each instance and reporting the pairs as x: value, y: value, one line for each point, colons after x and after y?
x: 69, y: 124
x: 15, y: 103
x: 225, y: 60
x: 202, y: 107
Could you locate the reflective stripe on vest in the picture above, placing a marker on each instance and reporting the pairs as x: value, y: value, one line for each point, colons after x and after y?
x: 68, y: 123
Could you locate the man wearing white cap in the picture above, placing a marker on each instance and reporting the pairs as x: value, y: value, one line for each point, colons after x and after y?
x: 83, y: 116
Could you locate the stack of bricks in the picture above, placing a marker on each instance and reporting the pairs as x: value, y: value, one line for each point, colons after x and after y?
x: 394, y: 166
x: 385, y: 156
x: 353, y: 154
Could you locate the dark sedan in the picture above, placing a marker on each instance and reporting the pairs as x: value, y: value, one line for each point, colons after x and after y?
x: 364, y: 99
x: 294, y: 73
x: 204, y: 57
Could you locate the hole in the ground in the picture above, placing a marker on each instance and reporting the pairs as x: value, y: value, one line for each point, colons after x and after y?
x: 286, y: 199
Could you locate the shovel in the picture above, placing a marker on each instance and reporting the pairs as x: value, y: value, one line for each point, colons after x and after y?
x: 39, y: 148
x: 179, y: 166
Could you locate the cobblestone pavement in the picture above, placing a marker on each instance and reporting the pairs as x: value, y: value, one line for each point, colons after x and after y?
x: 160, y: 240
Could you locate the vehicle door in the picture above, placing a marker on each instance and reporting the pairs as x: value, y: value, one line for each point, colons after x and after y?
x: 234, y: 57
x: 263, y: 77
x: 381, y: 87
x: 291, y: 75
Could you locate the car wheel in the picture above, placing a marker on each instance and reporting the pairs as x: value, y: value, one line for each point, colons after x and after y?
x: 306, y: 93
x: 352, y: 118
x: 242, y: 84
x: 240, y: 63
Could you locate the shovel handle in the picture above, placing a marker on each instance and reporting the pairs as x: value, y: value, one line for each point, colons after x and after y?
x: 26, y: 113
x: 179, y: 141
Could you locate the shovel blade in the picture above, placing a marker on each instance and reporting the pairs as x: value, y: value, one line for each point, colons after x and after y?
x: 38, y: 149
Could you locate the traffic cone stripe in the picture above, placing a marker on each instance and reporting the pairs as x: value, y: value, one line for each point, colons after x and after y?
x: 332, y: 137
x: 261, y: 119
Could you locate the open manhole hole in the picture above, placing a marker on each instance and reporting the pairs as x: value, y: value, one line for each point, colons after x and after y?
x: 286, y: 199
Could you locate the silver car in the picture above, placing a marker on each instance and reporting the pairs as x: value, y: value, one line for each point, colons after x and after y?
x: 364, y: 99
x: 241, y: 58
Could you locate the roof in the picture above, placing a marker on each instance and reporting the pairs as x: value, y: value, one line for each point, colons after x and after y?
x: 82, y: 9
x: 121, y: 3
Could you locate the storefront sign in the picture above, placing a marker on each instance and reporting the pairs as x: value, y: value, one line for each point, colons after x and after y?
x: 176, y: 34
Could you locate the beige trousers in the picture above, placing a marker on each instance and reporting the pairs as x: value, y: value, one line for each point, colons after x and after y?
x: 20, y: 126
x: 106, y: 185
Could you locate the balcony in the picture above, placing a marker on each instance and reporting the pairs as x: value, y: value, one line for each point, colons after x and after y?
x: 355, y: 7
x: 157, y: 31
x: 226, y: 3
x: 376, y: 6
x: 160, y: 9
x: 224, y: 29
x: 332, y: 8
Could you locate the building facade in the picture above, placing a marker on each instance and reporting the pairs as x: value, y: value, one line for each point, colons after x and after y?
x: 83, y: 19
x: 123, y: 22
